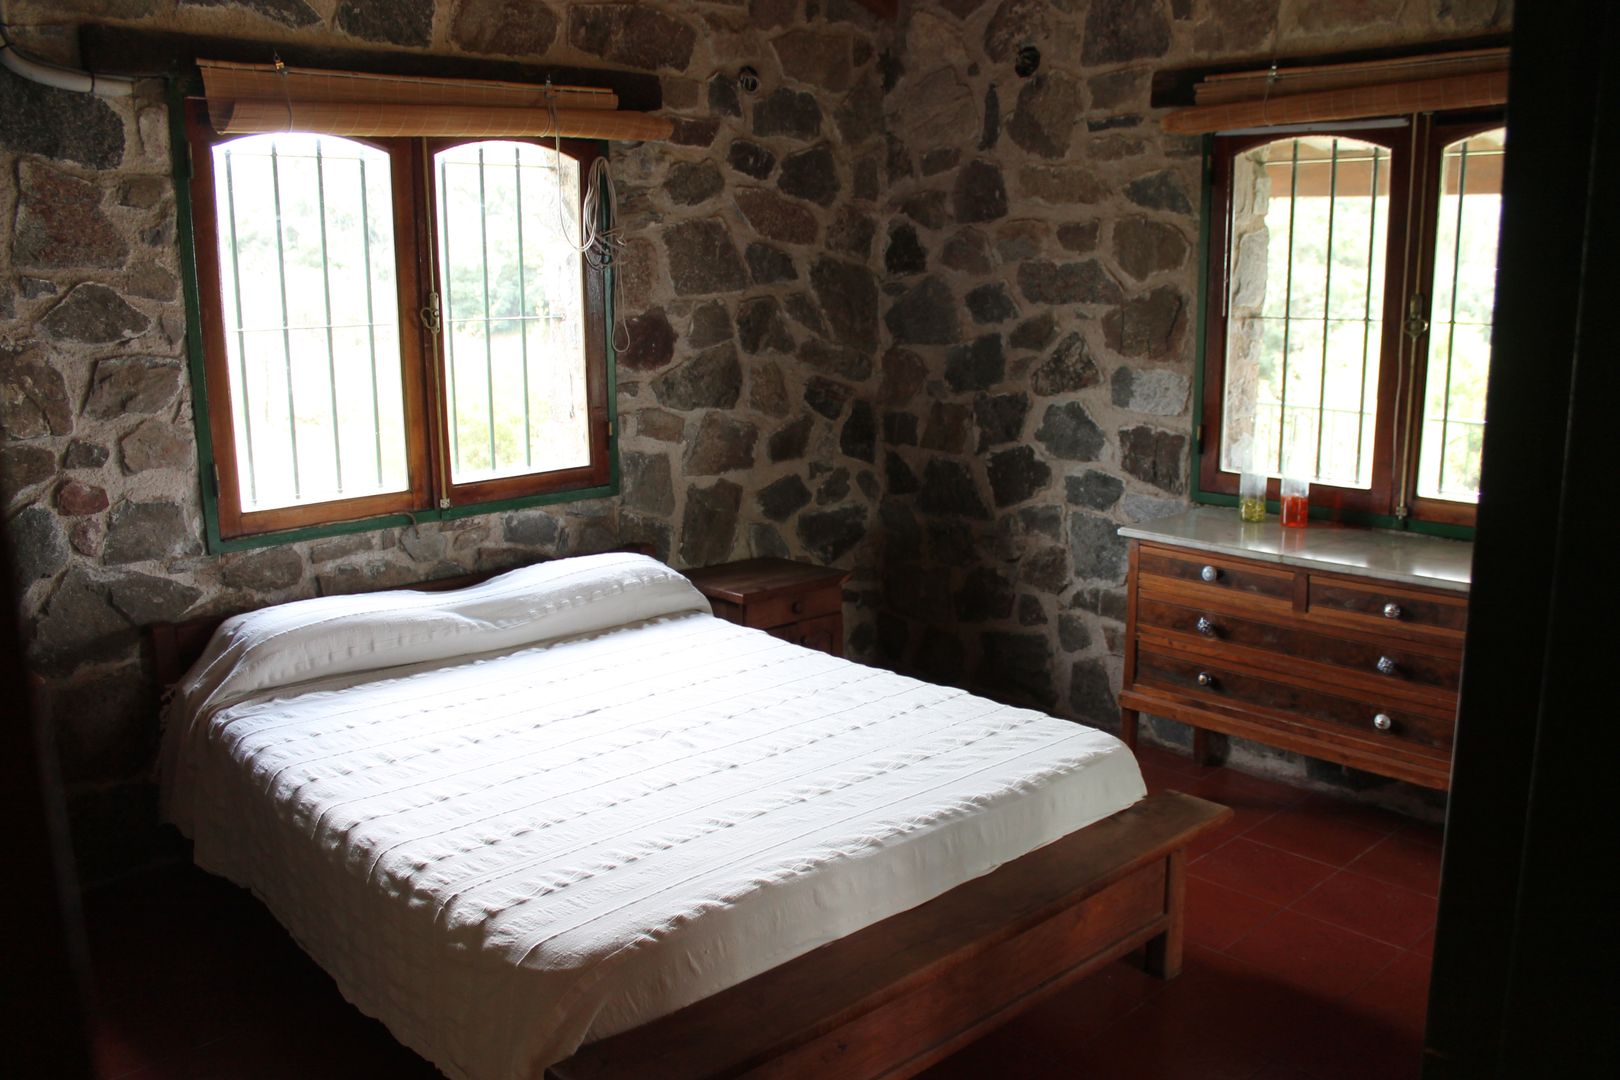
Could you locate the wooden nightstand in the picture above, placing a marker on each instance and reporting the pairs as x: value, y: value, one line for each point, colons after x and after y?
x: 793, y: 601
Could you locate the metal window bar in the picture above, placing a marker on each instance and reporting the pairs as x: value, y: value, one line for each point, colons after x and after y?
x: 371, y: 321
x: 326, y: 299
x: 241, y: 335
x: 1327, y: 303
x: 310, y: 326
x: 1288, y: 301
x: 449, y: 312
x: 523, y: 305
x: 1366, y: 305
x: 489, y: 342
x: 1451, y: 328
x: 286, y: 334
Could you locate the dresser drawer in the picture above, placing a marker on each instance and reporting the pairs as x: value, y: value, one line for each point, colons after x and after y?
x: 1389, y: 659
x: 1216, y: 573
x: 1383, y: 608
x: 1329, y: 712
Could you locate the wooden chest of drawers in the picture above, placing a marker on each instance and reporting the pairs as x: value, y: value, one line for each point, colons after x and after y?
x: 1347, y: 669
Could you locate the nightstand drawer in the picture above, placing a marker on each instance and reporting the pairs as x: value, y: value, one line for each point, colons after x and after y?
x: 1326, y: 712
x: 781, y: 610
x: 824, y: 634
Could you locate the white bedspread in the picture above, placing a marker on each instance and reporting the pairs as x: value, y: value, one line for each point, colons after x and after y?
x: 505, y: 854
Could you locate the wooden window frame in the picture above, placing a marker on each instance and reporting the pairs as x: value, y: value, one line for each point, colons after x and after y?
x: 1416, y: 150
x: 425, y: 404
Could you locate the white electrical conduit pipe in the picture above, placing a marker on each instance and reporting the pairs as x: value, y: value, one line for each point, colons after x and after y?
x: 62, y: 78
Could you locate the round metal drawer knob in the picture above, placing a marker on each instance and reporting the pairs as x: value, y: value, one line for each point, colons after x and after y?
x: 1387, y: 665
x: 1383, y: 721
x: 1205, y: 679
x: 1205, y: 627
x: 1392, y: 610
x: 1209, y: 573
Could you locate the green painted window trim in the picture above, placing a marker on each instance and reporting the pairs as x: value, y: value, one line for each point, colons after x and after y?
x: 179, y: 90
x: 1196, y: 443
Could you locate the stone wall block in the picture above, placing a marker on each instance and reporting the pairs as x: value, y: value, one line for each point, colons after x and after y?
x: 1155, y: 457
x: 1068, y: 432
x: 711, y: 379
x: 94, y: 314
x: 793, y: 113
x: 848, y: 295
x: 709, y: 524
x: 646, y: 483
x: 33, y: 396
x: 1049, y: 107
x: 59, y: 124
x: 496, y: 27
x: 23, y: 467
x: 1155, y: 391
x: 831, y: 534
x: 925, y: 314
x: 142, y: 531
x: 777, y: 218
x: 1150, y: 327
x: 634, y: 35
x: 722, y: 444
x: 1066, y: 369
x: 820, y: 59
x: 651, y: 341
x: 60, y: 223
x: 703, y: 259
x: 1143, y: 248
x: 1121, y: 30
x: 156, y: 444
x: 270, y: 570
x: 39, y: 548
x: 392, y: 22
x: 75, y: 498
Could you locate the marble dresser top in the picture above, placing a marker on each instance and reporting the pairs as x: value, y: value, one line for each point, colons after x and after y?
x: 1341, y: 549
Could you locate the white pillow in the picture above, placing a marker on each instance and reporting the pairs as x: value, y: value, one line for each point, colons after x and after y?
x: 337, y: 635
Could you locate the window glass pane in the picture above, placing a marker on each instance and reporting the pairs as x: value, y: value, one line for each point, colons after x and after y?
x: 1305, y: 283
x: 1464, y: 292
x: 306, y: 254
x: 514, y: 310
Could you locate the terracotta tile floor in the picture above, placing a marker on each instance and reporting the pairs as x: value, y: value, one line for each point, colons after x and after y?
x: 1308, y: 959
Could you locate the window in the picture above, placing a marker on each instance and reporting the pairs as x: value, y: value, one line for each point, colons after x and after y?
x: 394, y: 325
x: 1352, y: 276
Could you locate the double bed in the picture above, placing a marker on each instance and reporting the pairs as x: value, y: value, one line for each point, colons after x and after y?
x: 566, y: 822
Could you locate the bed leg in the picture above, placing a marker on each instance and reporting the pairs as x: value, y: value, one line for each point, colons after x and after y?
x: 1164, y: 952
x: 1127, y: 727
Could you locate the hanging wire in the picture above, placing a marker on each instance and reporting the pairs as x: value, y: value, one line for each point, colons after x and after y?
x: 599, y: 243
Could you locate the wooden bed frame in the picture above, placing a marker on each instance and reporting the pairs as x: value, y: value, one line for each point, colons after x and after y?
x: 894, y: 998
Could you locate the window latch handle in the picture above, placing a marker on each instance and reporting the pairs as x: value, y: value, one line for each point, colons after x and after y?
x: 429, y: 314
x: 1416, y: 325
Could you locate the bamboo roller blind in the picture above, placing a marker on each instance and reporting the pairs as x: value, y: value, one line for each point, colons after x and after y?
x: 246, y: 99
x: 1327, y: 93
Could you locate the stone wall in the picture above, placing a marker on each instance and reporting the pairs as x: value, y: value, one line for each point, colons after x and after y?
x: 1041, y: 258
x: 917, y: 306
x: 744, y: 398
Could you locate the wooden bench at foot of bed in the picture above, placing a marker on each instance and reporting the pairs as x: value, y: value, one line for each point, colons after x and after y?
x: 890, y: 1000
